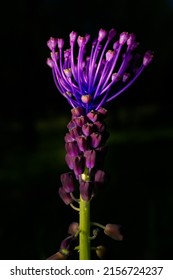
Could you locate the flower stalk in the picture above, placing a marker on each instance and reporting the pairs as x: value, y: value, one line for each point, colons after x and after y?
x: 84, y: 221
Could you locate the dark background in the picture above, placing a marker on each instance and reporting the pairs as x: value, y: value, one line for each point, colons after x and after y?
x: 33, y: 219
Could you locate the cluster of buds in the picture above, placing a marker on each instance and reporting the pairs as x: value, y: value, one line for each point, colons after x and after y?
x: 85, y: 153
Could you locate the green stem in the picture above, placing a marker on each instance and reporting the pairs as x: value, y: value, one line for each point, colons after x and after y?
x: 84, y: 220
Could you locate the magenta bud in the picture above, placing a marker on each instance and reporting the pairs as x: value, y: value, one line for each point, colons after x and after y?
x: 51, y: 43
x: 81, y: 40
x: 111, y: 33
x: 73, y: 36
x: 87, y: 129
x: 82, y: 143
x: 86, y: 190
x: 49, y: 62
x: 69, y: 160
x: 95, y: 139
x: 68, y: 72
x: 66, y: 53
x: 68, y: 138
x: 102, y: 111
x: 109, y: 55
x: 90, y: 158
x: 71, y: 124
x: 92, y: 116
x: 87, y: 37
x: 99, y: 126
x: 73, y: 228
x: 75, y: 132
x: 80, y: 121
x: 72, y: 148
x: 126, y: 77
x: 131, y: 39
x: 76, y: 112
x: 113, y: 231
x: 78, y: 165
x: 102, y: 34
x: 60, y: 43
x: 67, y: 181
x: 148, y: 57
x: 99, y: 178
x: 123, y: 38
x: 86, y: 98
x: 116, y: 45
x: 66, y: 197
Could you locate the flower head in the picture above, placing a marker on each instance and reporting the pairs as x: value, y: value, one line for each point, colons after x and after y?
x: 93, y: 79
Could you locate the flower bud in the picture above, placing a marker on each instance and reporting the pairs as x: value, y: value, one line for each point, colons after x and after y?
x: 75, y: 132
x: 126, y: 77
x: 66, y: 197
x: 78, y: 165
x: 68, y: 72
x: 49, y: 62
x: 131, y: 39
x: 73, y: 36
x: 76, y: 112
x: 86, y: 190
x: 73, y: 228
x: 95, y: 139
x: 72, y: 148
x: 92, y: 116
x: 80, y: 121
x: 69, y: 160
x: 123, y: 38
x: 60, y: 43
x: 99, y: 126
x: 90, y: 158
x: 68, y: 138
x: 102, y: 111
x: 113, y: 231
x: 67, y: 181
x: 86, y: 98
x: 148, y: 57
x: 82, y: 143
x: 51, y: 43
x: 100, y: 177
x: 111, y: 33
x: 109, y: 55
x: 71, y: 124
x: 102, y: 34
x: 87, y: 129
x: 100, y: 251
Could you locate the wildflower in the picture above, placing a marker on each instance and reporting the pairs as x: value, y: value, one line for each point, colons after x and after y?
x: 93, y: 79
x: 89, y: 81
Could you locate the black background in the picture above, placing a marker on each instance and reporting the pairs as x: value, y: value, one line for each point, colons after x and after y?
x: 33, y: 122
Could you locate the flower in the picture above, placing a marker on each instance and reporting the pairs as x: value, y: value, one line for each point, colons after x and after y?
x: 93, y: 79
x: 113, y: 231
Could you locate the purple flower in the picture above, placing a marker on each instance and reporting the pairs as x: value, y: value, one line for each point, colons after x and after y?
x: 67, y: 181
x: 113, y: 231
x: 86, y: 189
x: 66, y: 197
x: 93, y: 78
